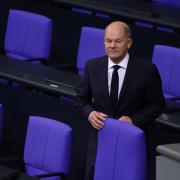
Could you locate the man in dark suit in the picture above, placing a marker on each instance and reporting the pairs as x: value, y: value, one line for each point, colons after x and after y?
x: 139, y: 95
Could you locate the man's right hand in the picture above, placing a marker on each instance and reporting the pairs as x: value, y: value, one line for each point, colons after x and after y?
x: 96, y: 119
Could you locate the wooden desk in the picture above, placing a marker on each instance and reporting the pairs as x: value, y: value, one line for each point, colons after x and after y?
x: 38, y: 76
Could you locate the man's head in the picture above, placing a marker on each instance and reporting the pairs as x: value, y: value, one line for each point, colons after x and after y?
x: 117, y: 40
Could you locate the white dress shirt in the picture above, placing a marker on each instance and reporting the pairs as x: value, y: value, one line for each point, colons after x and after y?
x: 121, y: 71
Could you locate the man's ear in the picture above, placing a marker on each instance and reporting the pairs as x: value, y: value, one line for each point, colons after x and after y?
x: 130, y: 41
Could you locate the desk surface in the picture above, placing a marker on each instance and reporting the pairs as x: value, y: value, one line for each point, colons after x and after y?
x: 39, y: 76
x: 157, y: 14
x: 6, y: 173
x: 170, y: 121
x: 170, y: 150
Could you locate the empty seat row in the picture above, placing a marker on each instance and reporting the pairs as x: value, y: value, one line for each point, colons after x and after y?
x: 48, y: 150
x: 29, y: 35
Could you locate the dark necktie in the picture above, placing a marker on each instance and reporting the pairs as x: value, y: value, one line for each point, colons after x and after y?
x: 114, y: 86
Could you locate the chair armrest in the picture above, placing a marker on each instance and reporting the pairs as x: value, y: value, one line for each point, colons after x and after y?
x: 62, y: 175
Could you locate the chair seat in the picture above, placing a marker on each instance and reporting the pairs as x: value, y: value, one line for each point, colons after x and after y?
x: 30, y: 170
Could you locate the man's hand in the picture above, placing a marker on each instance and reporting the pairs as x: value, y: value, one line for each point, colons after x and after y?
x: 126, y: 119
x: 96, y: 119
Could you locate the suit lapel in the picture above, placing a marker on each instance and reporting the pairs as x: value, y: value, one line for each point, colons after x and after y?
x: 128, y: 78
x: 104, y: 75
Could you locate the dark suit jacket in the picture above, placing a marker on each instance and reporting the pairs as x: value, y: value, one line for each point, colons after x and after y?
x: 141, y: 96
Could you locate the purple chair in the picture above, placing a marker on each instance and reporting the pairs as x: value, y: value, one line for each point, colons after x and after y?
x: 121, y: 152
x: 167, y: 60
x: 28, y: 36
x: 48, y: 148
x: 91, y: 45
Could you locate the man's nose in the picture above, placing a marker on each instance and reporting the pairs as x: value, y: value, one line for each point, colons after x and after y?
x: 113, y: 44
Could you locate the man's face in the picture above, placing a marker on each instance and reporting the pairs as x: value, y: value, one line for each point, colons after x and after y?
x: 116, y: 44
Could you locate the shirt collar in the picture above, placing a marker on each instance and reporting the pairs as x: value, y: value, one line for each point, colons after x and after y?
x: 123, y: 63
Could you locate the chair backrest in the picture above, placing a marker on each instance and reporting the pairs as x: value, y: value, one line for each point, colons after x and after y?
x: 167, y: 61
x: 91, y: 45
x: 121, y: 152
x: 28, y: 35
x: 48, y: 146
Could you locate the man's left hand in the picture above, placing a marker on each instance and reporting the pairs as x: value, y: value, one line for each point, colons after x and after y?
x: 126, y: 119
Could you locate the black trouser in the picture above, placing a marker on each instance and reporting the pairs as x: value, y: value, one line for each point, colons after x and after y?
x: 89, y: 172
x: 91, y: 155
